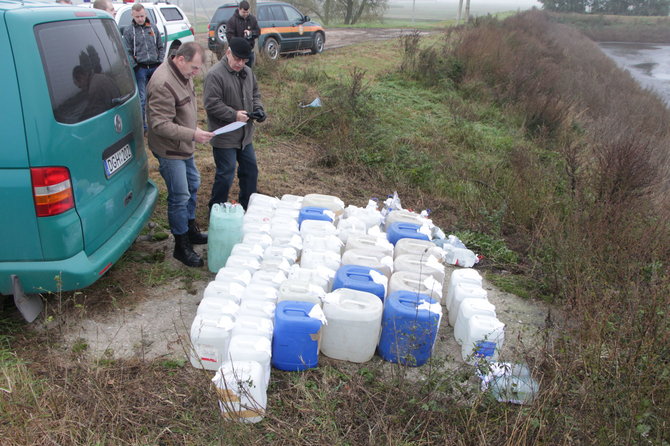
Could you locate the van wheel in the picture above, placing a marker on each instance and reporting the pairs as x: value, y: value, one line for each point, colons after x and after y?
x: 271, y: 48
x: 317, y: 45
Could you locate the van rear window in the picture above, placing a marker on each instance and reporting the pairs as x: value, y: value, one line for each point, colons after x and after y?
x: 86, y: 67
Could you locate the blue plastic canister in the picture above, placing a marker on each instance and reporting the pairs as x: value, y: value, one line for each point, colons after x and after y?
x: 295, y: 341
x: 225, y: 230
x: 409, y: 328
x: 401, y: 229
x: 361, y: 278
x: 315, y: 213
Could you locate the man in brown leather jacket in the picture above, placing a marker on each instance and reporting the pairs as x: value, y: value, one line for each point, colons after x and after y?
x: 173, y: 132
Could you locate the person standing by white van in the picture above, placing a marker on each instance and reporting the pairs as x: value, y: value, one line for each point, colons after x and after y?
x: 145, y: 46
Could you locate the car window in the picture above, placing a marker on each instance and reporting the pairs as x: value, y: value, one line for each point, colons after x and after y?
x: 222, y: 15
x: 292, y: 14
x: 277, y: 13
x: 172, y: 14
x: 86, y: 67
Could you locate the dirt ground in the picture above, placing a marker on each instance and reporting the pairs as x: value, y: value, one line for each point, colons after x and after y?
x: 155, y: 321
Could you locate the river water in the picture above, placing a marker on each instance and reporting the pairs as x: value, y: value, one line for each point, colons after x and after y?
x: 648, y: 63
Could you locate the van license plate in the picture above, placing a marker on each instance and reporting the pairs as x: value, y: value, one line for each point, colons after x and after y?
x: 117, y: 160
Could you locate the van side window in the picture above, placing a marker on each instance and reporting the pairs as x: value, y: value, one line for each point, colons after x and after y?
x: 86, y: 67
x: 277, y: 13
x: 171, y: 14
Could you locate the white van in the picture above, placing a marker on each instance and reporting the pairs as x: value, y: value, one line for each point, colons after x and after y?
x: 170, y: 20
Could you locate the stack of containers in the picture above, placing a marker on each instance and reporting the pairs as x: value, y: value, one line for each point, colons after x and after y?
x: 473, y: 317
x: 234, y: 326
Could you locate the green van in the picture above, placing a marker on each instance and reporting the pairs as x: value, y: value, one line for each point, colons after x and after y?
x: 73, y: 168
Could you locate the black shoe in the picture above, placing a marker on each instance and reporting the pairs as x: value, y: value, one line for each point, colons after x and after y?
x: 183, y: 251
x: 194, y: 235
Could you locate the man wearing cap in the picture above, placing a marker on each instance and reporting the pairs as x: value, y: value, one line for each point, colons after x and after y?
x: 231, y: 95
x: 243, y: 24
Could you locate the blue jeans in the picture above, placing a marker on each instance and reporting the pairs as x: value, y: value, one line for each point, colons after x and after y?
x: 142, y: 76
x: 247, y: 173
x: 182, y: 180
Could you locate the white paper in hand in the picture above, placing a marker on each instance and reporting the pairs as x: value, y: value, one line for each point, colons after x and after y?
x: 229, y: 128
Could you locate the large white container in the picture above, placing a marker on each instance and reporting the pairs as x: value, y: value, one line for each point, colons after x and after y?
x: 370, y: 243
x: 369, y: 215
x: 464, y: 291
x: 418, y: 247
x: 276, y: 264
x: 287, y: 211
x: 322, y: 243
x: 289, y: 198
x: 262, y: 200
x: 403, y: 215
x: 229, y: 290
x: 459, y: 276
x: 240, y: 276
x: 320, y: 276
x: 247, y: 250
x: 257, y: 217
x: 347, y: 227
x: 257, y: 238
x: 354, y: 324
x: 420, y: 264
x: 324, y: 201
x: 257, y: 307
x: 242, y: 391
x: 460, y: 256
x: 251, y: 348
x: 288, y: 253
x: 254, y: 326
x: 247, y: 261
x: 416, y: 282
x: 319, y: 228
x: 370, y: 258
x: 467, y: 309
x: 483, y: 339
x: 301, y: 291
x: 254, y: 226
x: 289, y: 239
x: 210, y: 337
x: 259, y: 291
x: 311, y: 258
x: 213, y: 307
x: 268, y: 277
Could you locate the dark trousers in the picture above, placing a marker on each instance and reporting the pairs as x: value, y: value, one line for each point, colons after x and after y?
x: 247, y: 173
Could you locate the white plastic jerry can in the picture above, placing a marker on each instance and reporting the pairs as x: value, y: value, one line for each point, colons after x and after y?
x: 242, y: 392
x: 210, y: 337
x: 464, y: 291
x: 483, y: 339
x: 468, y: 308
x: 459, y: 276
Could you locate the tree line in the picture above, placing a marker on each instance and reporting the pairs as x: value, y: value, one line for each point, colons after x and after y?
x: 616, y: 7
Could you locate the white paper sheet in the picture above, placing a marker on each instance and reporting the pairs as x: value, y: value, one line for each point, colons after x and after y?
x: 229, y: 128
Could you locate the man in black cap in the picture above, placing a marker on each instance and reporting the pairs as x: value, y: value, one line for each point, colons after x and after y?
x: 243, y: 24
x: 231, y: 95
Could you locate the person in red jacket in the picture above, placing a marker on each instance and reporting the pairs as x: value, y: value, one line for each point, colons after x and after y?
x: 243, y: 24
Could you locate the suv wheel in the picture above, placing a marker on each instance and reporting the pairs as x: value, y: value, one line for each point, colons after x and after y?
x: 221, y: 34
x: 317, y: 45
x: 271, y: 48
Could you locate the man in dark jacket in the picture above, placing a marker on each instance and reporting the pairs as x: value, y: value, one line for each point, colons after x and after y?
x: 243, y: 24
x: 146, y: 48
x: 231, y: 95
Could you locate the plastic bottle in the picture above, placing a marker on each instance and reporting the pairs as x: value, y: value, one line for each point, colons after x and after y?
x: 225, y: 230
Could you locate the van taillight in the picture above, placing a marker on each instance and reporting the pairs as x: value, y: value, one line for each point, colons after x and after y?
x: 192, y: 30
x: 52, y: 190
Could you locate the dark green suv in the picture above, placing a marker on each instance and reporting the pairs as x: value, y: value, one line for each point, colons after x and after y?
x: 283, y: 30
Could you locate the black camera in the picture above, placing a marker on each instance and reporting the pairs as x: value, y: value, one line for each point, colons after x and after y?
x: 257, y: 115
